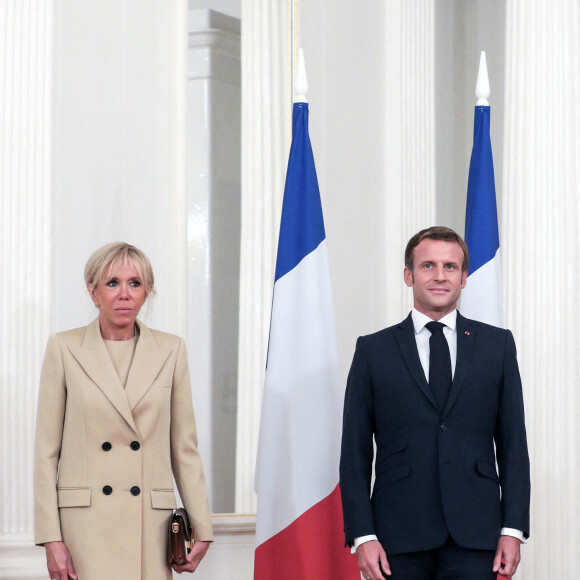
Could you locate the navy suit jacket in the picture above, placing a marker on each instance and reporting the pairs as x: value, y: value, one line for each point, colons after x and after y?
x: 435, y: 470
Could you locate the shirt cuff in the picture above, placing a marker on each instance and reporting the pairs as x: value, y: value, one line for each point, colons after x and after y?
x: 361, y: 540
x: 514, y: 533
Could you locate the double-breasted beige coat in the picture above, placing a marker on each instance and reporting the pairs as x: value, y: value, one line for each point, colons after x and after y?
x: 105, y: 455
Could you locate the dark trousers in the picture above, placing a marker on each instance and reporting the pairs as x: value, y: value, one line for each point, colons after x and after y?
x: 448, y: 562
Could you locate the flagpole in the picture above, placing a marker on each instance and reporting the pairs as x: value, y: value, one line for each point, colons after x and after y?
x: 293, y: 55
x: 481, y: 298
x: 301, y: 80
x: 299, y: 524
x: 482, y: 89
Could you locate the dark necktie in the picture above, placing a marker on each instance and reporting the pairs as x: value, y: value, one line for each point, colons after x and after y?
x: 439, y: 363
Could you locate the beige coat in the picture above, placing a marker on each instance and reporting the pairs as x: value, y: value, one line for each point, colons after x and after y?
x: 105, y: 455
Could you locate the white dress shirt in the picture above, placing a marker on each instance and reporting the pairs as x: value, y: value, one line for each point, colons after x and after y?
x: 422, y: 335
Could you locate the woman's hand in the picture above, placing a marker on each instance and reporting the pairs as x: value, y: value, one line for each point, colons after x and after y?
x: 59, y: 562
x: 193, y: 558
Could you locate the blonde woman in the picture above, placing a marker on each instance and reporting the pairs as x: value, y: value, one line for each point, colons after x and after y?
x: 115, y: 424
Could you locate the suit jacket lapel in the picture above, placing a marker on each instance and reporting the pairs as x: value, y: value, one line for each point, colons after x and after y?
x: 408, y: 346
x: 147, y: 363
x: 465, y: 339
x: 94, y: 358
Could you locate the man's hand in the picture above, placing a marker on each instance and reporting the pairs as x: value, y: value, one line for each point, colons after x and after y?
x: 59, y: 562
x: 370, y: 555
x: 193, y: 558
x: 507, y: 556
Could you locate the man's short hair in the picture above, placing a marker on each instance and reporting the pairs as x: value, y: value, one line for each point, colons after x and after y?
x: 442, y: 234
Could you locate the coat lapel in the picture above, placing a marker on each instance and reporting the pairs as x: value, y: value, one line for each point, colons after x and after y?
x: 93, y: 357
x: 465, y: 339
x: 408, y: 346
x: 147, y: 363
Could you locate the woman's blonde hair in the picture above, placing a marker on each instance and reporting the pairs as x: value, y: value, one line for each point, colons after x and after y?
x: 110, y: 256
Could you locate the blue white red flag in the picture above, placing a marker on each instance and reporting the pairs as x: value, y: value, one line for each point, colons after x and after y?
x: 481, y: 299
x: 299, y: 528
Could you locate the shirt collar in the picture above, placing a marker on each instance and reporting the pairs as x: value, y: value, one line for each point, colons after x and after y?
x: 420, y: 320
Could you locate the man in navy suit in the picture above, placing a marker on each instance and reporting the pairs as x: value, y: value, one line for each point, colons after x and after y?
x: 441, y: 395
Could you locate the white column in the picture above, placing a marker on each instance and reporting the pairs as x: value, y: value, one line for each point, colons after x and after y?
x: 541, y: 250
x: 25, y: 261
x: 417, y: 120
x: 265, y: 106
x: 403, y: 79
x: 418, y: 113
x: 213, y: 237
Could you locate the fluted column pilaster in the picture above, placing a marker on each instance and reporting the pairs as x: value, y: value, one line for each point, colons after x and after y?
x: 25, y: 259
x: 418, y: 119
x: 265, y: 106
x: 409, y: 171
x: 540, y: 247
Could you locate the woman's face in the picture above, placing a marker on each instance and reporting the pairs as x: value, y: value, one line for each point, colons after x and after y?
x: 119, y: 297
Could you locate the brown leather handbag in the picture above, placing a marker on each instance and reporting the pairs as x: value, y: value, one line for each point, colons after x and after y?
x: 179, y: 537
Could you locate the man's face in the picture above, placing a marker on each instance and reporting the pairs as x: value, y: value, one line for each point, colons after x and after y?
x: 436, y: 278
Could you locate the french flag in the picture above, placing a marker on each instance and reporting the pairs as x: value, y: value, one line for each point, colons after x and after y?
x: 299, y: 525
x: 481, y: 299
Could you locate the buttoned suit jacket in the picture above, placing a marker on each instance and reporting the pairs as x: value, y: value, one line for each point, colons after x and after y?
x: 82, y: 404
x: 435, y: 470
